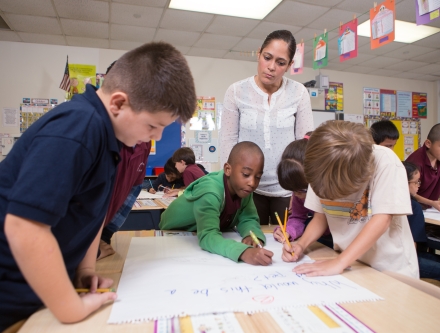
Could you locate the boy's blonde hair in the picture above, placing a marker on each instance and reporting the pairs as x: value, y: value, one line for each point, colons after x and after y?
x: 339, y: 159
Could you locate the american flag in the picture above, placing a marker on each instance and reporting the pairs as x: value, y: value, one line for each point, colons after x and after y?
x: 65, y: 83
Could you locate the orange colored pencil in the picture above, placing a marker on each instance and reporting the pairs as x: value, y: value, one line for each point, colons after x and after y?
x: 282, y: 229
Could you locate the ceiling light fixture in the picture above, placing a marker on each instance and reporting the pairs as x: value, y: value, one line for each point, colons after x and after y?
x: 405, y: 32
x: 253, y: 9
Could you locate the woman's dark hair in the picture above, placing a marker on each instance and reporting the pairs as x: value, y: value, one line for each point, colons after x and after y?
x: 410, y: 168
x: 284, y: 35
x: 290, y: 170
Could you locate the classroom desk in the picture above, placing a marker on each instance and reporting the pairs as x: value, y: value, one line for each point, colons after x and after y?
x: 404, y: 308
x: 432, y: 221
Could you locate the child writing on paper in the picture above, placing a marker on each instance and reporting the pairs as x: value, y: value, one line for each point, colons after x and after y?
x: 223, y: 201
x: 167, y: 180
x: 360, y: 191
x: 56, y: 182
x: 429, y: 263
x: 427, y: 158
x: 385, y: 133
x: 185, y: 162
x: 291, y: 177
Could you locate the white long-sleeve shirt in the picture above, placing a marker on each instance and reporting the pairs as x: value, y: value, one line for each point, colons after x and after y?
x: 248, y: 116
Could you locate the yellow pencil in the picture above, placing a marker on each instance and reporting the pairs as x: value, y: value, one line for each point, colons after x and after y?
x: 285, y: 220
x: 172, y: 187
x: 284, y: 233
x: 87, y: 290
x: 255, y: 239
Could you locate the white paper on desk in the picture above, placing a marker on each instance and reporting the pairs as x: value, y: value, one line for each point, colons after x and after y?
x: 147, y: 195
x: 432, y: 213
x: 172, y: 276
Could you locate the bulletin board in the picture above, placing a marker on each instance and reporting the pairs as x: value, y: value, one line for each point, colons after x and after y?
x: 165, y: 148
x: 409, y: 134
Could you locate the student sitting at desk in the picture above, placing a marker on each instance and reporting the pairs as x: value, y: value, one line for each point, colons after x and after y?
x: 223, y: 201
x: 427, y: 158
x: 360, y: 191
x: 385, y: 133
x: 429, y: 263
x: 167, y: 180
x: 185, y: 162
x: 56, y: 182
x: 291, y: 177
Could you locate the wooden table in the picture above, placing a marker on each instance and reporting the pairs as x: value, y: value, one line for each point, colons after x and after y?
x: 432, y: 221
x: 404, y: 308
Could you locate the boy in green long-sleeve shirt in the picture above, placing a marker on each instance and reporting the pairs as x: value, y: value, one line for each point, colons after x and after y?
x: 223, y: 201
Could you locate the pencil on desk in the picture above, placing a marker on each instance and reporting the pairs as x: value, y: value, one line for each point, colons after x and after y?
x: 87, y: 290
x: 282, y: 229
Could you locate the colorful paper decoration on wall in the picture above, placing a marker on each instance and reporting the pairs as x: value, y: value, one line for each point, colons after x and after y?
x: 298, y: 60
x: 334, y: 97
x: 419, y: 105
x: 80, y: 75
x: 382, y: 24
x: 320, y: 55
x: 348, y: 41
x: 427, y: 11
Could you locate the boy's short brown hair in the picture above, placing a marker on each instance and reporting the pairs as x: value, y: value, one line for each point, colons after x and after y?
x: 339, y: 160
x: 185, y: 154
x: 156, y: 77
x: 434, y: 133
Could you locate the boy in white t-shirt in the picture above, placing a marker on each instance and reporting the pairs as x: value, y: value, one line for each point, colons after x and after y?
x: 360, y: 191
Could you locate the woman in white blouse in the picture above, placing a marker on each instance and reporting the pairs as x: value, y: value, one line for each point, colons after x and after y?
x: 271, y: 111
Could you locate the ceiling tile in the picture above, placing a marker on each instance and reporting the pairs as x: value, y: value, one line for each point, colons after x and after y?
x: 174, y: 37
x: 429, y: 69
x: 407, y: 65
x: 289, y: 12
x: 29, y: 7
x: 148, y: 3
x: 248, y: 44
x: 265, y: 28
x: 429, y: 57
x: 232, y: 26
x: 328, y: 3
x: 381, y: 50
x: 359, y: 59
x: 307, y: 34
x: 331, y: 19
x: 430, y: 41
x: 85, y: 28
x: 184, y: 20
x: 435, y: 23
x: 42, y: 39
x: 131, y: 33
x: 183, y: 49
x: 9, y: 36
x: 239, y: 56
x: 430, y: 78
x: 210, y: 53
x: 381, y: 62
x: 407, y: 75
x: 336, y: 66
x: 87, y: 42
x: 406, y: 11
x: 384, y: 72
x: 124, y: 44
x: 358, y: 69
x: 35, y: 24
x: 86, y: 10
x: 359, y: 6
x: 363, y: 41
x: 125, y: 14
x: 409, y: 51
x: 217, y: 41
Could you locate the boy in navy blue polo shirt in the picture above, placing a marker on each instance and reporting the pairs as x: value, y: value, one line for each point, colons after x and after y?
x: 56, y: 182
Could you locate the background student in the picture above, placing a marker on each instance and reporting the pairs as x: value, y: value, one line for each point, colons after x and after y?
x: 222, y: 201
x: 384, y: 133
x: 360, y: 191
x: 56, y: 182
x: 291, y: 176
x: 429, y: 263
x: 427, y: 159
x: 185, y: 162
x: 270, y: 110
x: 169, y: 179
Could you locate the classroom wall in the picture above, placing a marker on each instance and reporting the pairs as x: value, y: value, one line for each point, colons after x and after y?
x: 36, y: 70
